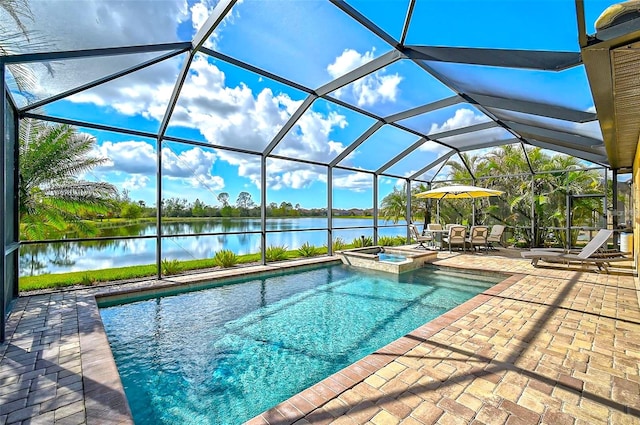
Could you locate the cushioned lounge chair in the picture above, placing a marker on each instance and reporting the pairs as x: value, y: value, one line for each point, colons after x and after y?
x: 587, y: 255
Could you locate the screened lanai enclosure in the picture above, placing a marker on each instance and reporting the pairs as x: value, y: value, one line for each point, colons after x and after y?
x: 159, y: 134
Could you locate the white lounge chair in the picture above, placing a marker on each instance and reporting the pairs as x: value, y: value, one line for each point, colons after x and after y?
x: 587, y: 255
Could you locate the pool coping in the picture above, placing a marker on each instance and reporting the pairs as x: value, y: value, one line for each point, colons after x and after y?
x: 298, y: 406
x: 104, y: 392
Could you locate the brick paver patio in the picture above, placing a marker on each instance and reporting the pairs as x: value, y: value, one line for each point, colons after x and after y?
x: 546, y: 346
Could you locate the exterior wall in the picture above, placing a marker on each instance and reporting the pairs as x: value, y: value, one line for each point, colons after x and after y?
x: 635, y: 192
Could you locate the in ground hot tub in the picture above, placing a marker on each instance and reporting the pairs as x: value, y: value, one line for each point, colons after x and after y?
x: 386, y: 259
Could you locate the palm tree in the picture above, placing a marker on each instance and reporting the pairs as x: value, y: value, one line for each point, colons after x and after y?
x: 394, y: 205
x: 51, y: 194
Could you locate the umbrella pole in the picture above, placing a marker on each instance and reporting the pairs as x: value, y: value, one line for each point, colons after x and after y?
x: 438, y: 210
x: 473, y: 212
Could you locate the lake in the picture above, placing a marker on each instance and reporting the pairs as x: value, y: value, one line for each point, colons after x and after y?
x: 235, y: 234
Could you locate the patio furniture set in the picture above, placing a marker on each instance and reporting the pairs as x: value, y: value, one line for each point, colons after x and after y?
x: 436, y: 236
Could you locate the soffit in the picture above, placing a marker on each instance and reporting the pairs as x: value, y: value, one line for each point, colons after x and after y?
x: 613, y: 69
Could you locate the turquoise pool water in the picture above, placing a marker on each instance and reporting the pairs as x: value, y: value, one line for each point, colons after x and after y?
x: 391, y: 258
x: 225, y: 354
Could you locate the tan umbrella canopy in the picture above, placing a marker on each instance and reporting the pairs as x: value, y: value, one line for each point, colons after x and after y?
x: 459, y: 192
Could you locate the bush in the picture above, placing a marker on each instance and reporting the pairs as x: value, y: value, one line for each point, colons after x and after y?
x: 338, y: 244
x: 88, y: 280
x: 362, y: 242
x: 388, y: 241
x: 170, y: 267
x: 400, y: 240
x: 225, y: 258
x: 276, y: 253
x: 307, y: 250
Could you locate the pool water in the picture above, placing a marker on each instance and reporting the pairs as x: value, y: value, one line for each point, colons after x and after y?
x: 391, y: 258
x: 225, y: 354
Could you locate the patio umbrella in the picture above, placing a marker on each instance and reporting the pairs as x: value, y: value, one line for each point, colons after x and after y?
x: 458, y: 192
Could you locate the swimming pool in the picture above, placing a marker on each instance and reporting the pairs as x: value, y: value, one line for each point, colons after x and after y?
x: 225, y: 354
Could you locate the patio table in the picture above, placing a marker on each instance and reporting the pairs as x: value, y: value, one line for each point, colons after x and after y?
x: 437, y: 236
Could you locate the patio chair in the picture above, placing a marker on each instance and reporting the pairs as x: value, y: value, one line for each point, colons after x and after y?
x: 457, y: 236
x: 478, y: 237
x: 495, y: 236
x: 587, y: 255
x: 418, y: 237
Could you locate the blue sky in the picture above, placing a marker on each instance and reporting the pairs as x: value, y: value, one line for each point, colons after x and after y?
x: 310, y: 43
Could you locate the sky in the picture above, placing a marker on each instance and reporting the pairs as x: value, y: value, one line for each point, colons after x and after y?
x: 310, y: 43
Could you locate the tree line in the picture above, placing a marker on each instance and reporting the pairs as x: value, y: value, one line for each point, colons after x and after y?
x: 533, y: 206
x: 244, y: 206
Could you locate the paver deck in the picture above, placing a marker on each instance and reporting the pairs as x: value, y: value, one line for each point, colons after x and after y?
x: 547, y: 346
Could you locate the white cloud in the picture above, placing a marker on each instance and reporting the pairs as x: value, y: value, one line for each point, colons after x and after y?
x: 137, y: 160
x: 199, y: 14
x: 369, y: 90
x: 311, y: 137
x: 462, y: 118
x: 193, y: 167
x: 236, y: 116
x: 348, y: 61
x: 131, y: 157
x: 358, y: 182
x: 137, y: 181
x: 84, y: 24
x: 295, y: 179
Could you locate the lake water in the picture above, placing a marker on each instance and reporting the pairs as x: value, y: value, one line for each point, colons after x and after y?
x: 233, y: 234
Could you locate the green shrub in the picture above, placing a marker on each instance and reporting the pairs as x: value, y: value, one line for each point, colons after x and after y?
x: 170, y: 267
x: 400, y: 240
x: 307, y: 250
x: 276, y: 253
x: 362, y: 242
x: 225, y: 258
x: 338, y: 244
x: 388, y: 241
x: 88, y: 280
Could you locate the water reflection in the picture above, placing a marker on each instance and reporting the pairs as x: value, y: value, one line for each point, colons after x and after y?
x: 63, y: 257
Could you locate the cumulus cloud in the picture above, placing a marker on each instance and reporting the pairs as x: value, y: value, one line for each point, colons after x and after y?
x: 137, y: 181
x: 137, y: 159
x: 131, y: 157
x: 238, y: 117
x: 193, y: 167
x: 199, y: 14
x: 84, y: 24
x: 462, y: 118
x: 311, y: 137
x: 229, y: 115
x: 348, y: 61
x: 369, y: 90
x: 357, y: 182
